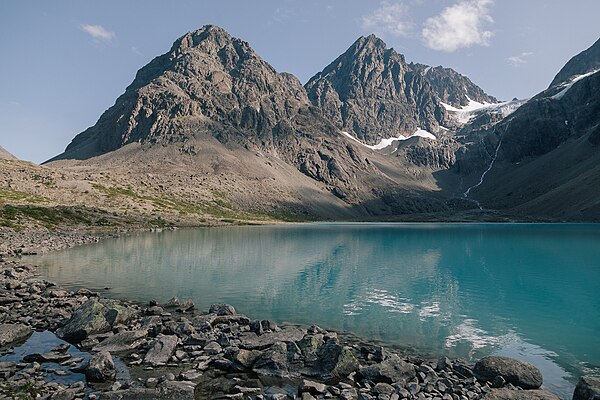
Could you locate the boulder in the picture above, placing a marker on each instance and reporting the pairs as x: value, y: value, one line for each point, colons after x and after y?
x: 588, y: 388
x: 280, y: 360
x: 123, y: 341
x: 11, y: 333
x: 508, y: 394
x: 94, y: 316
x: 162, y: 349
x: 222, y: 309
x: 519, y: 373
x: 334, y: 362
x: 391, y: 370
x: 101, y: 368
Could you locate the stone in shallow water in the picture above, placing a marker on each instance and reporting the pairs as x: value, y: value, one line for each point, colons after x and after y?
x: 588, y: 388
x: 11, y: 333
x: 519, y: 373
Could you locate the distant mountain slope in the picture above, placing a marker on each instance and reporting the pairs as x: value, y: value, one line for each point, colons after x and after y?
x: 586, y: 61
x: 549, y: 156
x: 5, y: 155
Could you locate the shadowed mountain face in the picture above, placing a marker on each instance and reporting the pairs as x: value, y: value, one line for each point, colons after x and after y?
x: 549, y: 158
x: 584, y: 62
x: 211, y: 104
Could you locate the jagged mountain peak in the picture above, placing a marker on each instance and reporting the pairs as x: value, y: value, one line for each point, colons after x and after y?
x: 584, y: 62
x: 208, y: 81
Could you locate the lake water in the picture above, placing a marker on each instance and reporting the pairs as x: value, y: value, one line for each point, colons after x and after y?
x: 530, y: 291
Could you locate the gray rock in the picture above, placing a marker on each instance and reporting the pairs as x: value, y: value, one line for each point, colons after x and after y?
x: 222, y: 309
x: 11, y: 333
x: 213, y: 348
x: 7, y: 369
x: 391, y: 370
x: 518, y: 373
x: 186, y: 306
x: 508, y: 394
x: 94, y: 316
x: 252, y: 341
x: 162, y: 350
x: 46, y: 357
x: 123, y: 341
x: 101, y: 368
x: 588, y: 388
x: 245, y: 358
x: 312, y: 387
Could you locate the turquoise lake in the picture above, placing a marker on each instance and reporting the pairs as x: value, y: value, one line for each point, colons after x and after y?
x: 530, y: 291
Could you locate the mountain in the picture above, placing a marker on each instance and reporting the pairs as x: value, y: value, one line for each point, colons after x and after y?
x: 372, y: 93
x: 211, y: 126
x: 548, y: 151
x: 5, y: 155
x: 211, y: 104
x: 584, y: 62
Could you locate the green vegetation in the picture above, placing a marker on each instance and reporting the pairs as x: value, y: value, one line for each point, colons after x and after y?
x: 8, y: 195
x: 14, y: 216
x: 218, y: 208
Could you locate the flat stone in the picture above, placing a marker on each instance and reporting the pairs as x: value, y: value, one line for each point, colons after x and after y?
x: 123, y: 341
x: 11, y: 333
x: 518, y: 373
x: 588, y: 388
x: 47, y: 357
x: 162, y: 350
x: 312, y: 387
x: 251, y: 341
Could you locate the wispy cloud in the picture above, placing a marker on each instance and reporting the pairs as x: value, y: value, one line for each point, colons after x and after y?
x: 14, y: 103
x: 390, y: 17
x: 519, y: 60
x: 281, y: 15
x: 136, y: 51
x: 460, y: 25
x: 98, y: 32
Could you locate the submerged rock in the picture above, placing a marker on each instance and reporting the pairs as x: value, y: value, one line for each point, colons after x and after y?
x: 519, y: 373
x: 94, y: 316
x: 11, y: 333
x: 101, y: 368
x: 588, y: 388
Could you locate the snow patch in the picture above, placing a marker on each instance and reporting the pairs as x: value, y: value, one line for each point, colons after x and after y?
x: 388, y: 142
x: 466, y: 113
x: 568, y: 85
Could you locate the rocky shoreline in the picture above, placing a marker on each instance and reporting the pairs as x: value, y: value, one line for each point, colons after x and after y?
x: 102, y: 348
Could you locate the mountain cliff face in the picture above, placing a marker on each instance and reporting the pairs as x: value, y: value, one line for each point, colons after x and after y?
x: 451, y: 87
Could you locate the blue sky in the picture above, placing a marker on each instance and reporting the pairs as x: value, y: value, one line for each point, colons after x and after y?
x: 65, y: 62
